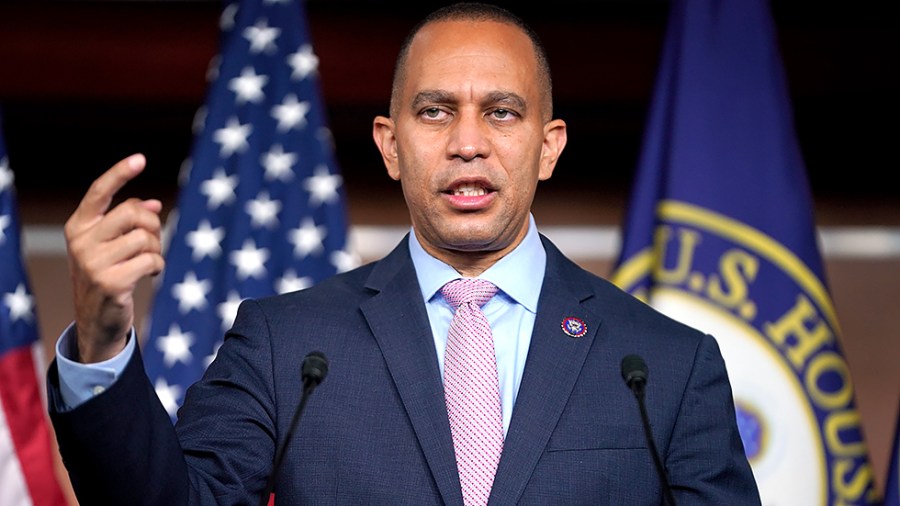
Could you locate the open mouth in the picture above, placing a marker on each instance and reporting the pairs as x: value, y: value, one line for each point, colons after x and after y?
x: 468, y: 190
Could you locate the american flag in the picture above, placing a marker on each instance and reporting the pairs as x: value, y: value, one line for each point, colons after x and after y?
x: 261, y: 203
x: 26, y: 463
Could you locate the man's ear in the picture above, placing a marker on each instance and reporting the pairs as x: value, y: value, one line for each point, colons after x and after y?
x: 386, y: 141
x: 555, y: 138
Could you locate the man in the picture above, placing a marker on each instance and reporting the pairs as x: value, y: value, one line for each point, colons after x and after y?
x: 469, y: 136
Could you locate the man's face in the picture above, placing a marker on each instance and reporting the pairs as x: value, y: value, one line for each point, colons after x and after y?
x: 468, y: 140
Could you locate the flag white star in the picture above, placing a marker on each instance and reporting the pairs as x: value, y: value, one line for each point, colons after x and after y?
x: 304, y: 62
x: 199, y: 121
x: 324, y: 135
x: 212, y: 69
x: 184, y: 172
x: 232, y: 138
x: 168, y: 395
x: 262, y: 37
x: 307, y: 238
x: 289, y: 282
x: 191, y: 293
x: 343, y: 260
x: 278, y: 164
x: 322, y: 186
x: 226, y: 20
x: 219, y: 189
x: 263, y: 211
x: 205, y: 241
x: 227, y: 309
x: 4, y: 222
x: 290, y: 113
x: 248, y: 86
x: 250, y: 261
x: 6, y: 175
x: 20, y: 304
x: 175, y: 346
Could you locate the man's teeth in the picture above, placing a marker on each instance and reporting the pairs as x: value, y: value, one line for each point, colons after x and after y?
x: 469, y: 190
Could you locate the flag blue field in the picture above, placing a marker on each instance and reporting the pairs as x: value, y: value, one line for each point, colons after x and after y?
x: 892, y: 483
x: 261, y: 202
x: 27, y: 475
x: 720, y: 234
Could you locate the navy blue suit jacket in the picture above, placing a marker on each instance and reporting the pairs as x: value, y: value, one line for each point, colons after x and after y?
x: 376, y: 430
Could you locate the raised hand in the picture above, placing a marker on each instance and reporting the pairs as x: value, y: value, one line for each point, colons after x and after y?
x: 109, y: 251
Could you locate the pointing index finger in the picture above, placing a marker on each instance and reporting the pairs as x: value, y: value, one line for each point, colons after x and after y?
x: 100, y: 195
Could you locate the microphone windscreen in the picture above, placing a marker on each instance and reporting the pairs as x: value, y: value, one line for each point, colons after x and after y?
x: 315, y: 367
x: 633, y: 368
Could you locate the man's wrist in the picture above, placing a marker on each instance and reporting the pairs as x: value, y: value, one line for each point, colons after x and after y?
x: 79, y: 381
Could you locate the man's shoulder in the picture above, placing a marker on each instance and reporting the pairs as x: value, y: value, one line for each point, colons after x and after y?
x: 337, y: 289
x: 617, y: 307
x: 577, y: 277
x: 352, y: 286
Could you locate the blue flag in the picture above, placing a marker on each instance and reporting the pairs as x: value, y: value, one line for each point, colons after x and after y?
x: 261, y: 202
x: 892, y: 484
x: 720, y: 234
x: 27, y: 476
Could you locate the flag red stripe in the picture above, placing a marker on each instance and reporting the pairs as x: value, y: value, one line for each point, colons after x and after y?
x: 22, y: 403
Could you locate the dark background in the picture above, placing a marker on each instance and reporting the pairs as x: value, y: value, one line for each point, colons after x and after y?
x: 85, y: 83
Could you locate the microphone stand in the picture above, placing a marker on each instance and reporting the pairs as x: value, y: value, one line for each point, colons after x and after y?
x: 638, y: 389
x: 634, y: 372
x: 315, y: 366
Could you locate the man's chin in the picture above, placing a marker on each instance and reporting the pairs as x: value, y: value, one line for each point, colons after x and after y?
x: 477, y: 243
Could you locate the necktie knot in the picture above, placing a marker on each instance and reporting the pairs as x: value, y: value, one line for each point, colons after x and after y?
x: 468, y: 290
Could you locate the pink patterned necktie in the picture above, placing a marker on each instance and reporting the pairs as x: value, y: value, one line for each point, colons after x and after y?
x: 472, y: 390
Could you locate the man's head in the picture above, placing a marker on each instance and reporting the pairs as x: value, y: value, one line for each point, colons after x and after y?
x: 470, y: 133
x: 475, y: 11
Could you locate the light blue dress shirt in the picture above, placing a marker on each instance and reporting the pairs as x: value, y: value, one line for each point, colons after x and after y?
x: 519, y: 276
x: 79, y: 382
x: 511, y: 312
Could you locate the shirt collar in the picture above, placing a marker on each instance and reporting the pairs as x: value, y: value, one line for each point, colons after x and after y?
x: 507, y: 274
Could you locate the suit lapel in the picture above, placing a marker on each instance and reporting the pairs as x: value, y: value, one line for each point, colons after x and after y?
x: 554, y: 362
x: 399, y: 322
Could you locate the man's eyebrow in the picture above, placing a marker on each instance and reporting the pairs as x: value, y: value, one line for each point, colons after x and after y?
x: 495, y: 98
x: 432, y: 97
x: 508, y: 98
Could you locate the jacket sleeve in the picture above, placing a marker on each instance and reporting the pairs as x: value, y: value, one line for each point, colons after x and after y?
x: 706, y: 463
x: 119, y: 447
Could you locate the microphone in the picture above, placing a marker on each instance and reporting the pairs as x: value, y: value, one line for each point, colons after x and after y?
x: 634, y: 372
x: 313, y: 371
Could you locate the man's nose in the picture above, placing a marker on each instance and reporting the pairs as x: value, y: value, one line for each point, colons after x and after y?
x: 469, y: 136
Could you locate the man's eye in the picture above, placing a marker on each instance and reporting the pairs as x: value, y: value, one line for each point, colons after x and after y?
x: 502, y: 113
x: 432, y: 112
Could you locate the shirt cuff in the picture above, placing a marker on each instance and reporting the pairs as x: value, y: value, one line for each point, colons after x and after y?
x: 80, y: 382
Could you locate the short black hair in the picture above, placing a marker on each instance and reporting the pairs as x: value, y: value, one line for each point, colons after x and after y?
x: 474, y: 11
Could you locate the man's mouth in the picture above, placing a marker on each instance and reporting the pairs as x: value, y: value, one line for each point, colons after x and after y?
x: 468, y: 190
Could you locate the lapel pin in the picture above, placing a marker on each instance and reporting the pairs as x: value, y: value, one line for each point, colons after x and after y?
x: 574, y: 327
